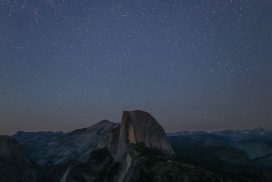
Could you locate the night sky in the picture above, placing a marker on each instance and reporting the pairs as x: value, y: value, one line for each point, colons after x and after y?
x: 194, y: 65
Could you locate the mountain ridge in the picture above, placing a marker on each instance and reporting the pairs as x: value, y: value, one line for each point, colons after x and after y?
x: 138, y: 149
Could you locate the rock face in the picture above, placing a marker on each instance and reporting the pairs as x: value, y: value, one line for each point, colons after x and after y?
x: 138, y: 127
x: 14, y: 165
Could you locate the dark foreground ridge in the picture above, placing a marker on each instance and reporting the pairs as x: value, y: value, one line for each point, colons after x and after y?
x: 135, y: 150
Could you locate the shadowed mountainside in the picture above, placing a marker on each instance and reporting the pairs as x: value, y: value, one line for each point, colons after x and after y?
x: 14, y: 165
x: 243, y: 155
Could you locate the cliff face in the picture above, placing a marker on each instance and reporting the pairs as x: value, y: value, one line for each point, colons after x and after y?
x: 138, y: 127
x: 140, y: 146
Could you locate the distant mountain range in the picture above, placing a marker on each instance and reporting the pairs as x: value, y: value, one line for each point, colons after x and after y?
x: 136, y: 150
x: 242, y: 155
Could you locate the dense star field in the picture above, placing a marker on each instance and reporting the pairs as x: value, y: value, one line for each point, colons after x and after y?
x: 195, y: 65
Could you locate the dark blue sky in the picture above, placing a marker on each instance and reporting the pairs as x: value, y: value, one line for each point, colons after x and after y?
x: 66, y: 64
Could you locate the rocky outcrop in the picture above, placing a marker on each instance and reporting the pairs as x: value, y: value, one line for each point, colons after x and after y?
x: 138, y: 127
x: 14, y: 165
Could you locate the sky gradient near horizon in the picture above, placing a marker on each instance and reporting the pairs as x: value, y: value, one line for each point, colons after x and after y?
x: 193, y: 64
